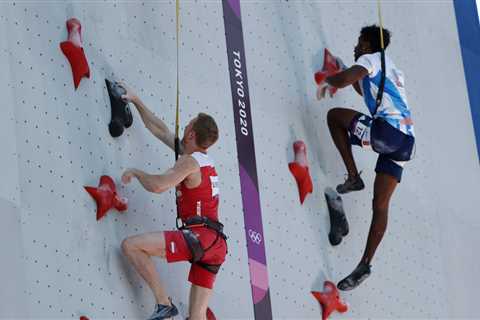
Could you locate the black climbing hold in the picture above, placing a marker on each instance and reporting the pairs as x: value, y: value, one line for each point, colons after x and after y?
x: 121, y: 114
x: 338, y: 220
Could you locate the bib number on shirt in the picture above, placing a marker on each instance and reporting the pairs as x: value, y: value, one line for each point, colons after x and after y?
x: 215, y: 187
x: 362, y: 131
x: 359, y: 130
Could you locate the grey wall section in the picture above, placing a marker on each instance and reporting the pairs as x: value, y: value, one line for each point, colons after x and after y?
x: 13, y: 279
x: 61, y: 263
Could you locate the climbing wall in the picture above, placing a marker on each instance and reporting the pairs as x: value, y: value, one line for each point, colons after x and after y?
x: 427, y: 252
x: 59, y: 262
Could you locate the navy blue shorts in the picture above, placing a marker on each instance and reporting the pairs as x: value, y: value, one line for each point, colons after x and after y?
x: 393, y: 146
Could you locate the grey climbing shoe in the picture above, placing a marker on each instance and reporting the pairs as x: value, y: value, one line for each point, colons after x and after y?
x: 164, y: 312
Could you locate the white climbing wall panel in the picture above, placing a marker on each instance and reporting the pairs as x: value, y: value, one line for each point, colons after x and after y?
x: 58, y: 262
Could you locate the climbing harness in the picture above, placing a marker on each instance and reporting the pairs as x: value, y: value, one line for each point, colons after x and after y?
x: 383, y: 71
x: 194, y: 244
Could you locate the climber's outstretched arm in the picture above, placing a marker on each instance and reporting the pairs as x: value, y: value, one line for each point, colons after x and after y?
x: 350, y: 76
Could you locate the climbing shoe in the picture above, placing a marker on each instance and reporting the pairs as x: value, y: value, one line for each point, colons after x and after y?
x: 351, y: 184
x: 361, y: 272
x: 164, y: 312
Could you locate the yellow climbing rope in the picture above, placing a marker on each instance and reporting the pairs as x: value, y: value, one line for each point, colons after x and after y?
x: 378, y: 100
x: 177, y: 113
x: 178, y: 221
x: 381, y: 24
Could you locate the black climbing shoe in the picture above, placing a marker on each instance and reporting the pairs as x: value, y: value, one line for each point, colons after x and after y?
x: 351, y: 184
x: 361, y: 272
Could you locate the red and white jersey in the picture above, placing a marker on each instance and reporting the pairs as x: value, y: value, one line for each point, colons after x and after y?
x: 202, y: 200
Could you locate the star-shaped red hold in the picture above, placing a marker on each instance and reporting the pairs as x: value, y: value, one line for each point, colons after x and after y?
x: 210, y: 315
x: 329, y: 68
x: 106, y: 197
x: 329, y: 299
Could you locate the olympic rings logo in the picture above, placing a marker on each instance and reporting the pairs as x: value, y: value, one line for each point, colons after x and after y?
x: 255, y: 236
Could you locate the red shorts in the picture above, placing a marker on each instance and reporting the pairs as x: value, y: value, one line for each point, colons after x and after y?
x: 177, y: 250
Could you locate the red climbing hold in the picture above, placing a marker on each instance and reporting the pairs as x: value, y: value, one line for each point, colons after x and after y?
x: 84, y: 318
x: 72, y: 49
x: 210, y: 315
x: 330, y: 67
x: 106, y: 197
x: 330, y: 300
x: 299, y: 169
